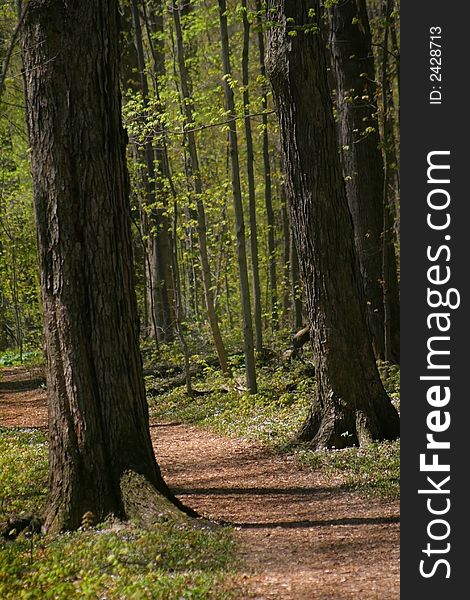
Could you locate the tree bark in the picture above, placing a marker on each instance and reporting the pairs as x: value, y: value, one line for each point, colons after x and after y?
x: 363, y: 167
x: 100, y: 449
x: 287, y: 301
x: 390, y: 280
x: 350, y: 405
x: 250, y: 366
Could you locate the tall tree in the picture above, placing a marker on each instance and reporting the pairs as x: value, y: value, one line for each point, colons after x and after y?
x: 159, y: 244
x: 390, y: 198
x: 247, y: 328
x: 350, y: 405
x: 268, y: 196
x: 100, y: 453
x: 251, y: 182
x: 363, y: 166
x: 195, y: 180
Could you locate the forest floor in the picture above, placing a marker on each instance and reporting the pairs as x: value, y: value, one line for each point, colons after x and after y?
x: 301, y: 534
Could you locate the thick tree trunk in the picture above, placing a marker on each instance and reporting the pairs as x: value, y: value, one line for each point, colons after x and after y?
x: 130, y: 74
x: 99, y: 442
x: 350, y: 405
x: 250, y: 366
x: 251, y: 184
x: 363, y: 167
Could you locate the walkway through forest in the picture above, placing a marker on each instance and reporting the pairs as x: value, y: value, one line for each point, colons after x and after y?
x: 301, y: 535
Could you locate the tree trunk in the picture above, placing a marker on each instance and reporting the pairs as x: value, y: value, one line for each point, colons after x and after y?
x: 251, y: 184
x: 238, y: 206
x: 268, y: 200
x: 390, y: 280
x: 131, y: 86
x: 363, y: 167
x: 178, y: 306
x: 196, y: 183
x: 100, y: 451
x: 130, y: 74
x: 350, y: 405
x: 159, y: 245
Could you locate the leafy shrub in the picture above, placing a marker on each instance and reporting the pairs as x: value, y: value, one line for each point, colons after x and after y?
x: 11, y: 358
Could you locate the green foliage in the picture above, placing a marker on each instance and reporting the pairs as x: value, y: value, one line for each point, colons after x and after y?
x: 270, y: 416
x: 120, y: 561
x: 390, y: 375
x: 115, y: 560
x: 373, y: 469
x: 11, y: 358
x: 23, y: 470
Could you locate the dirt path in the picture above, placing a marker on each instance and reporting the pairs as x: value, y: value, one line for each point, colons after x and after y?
x: 22, y: 398
x: 301, y: 535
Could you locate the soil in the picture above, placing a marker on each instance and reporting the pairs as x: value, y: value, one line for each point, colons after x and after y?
x: 301, y: 534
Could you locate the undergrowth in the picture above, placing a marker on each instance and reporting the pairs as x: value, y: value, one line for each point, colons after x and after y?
x: 223, y: 405
x: 23, y: 470
x: 114, y: 560
x: 10, y: 358
x: 173, y: 560
x: 273, y: 416
x: 374, y: 469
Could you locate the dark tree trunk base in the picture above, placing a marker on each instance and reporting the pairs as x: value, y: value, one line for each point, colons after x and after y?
x: 146, y: 505
x: 336, y: 426
x: 138, y: 500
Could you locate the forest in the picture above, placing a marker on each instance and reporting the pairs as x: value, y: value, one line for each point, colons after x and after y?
x: 199, y: 299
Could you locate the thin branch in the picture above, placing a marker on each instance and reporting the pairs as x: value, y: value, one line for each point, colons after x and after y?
x: 14, y: 37
x: 381, y: 46
x: 183, y: 130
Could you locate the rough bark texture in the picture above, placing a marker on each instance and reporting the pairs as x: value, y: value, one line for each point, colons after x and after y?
x: 350, y: 405
x: 130, y: 74
x: 390, y: 197
x: 286, y: 252
x: 98, y: 415
x: 358, y: 128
